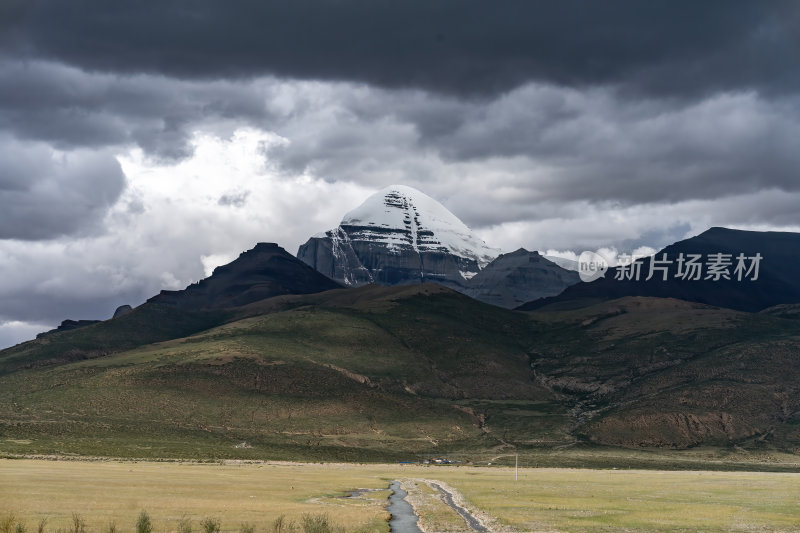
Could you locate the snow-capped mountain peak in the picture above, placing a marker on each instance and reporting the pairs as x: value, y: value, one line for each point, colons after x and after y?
x: 414, y: 218
x: 398, y: 235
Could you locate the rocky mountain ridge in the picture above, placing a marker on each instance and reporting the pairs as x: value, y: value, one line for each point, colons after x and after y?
x: 401, y: 236
x: 734, y: 269
x: 397, y: 236
x: 264, y: 271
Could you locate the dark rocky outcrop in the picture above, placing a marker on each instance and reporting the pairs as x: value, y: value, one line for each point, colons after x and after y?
x: 122, y: 310
x: 348, y: 255
x: 266, y: 270
x: 68, y: 325
x: 778, y: 278
x: 518, y: 277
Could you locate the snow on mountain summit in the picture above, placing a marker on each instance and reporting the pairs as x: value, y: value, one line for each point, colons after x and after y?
x: 398, y: 236
x: 401, y: 236
x: 400, y: 215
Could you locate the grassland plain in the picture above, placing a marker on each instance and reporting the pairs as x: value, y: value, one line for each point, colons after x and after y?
x: 541, y: 499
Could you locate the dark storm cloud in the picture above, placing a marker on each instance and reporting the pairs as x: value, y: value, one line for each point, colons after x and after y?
x: 464, y: 47
x: 69, y: 108
x: 544, y: 143
x: 536, y: 143
x: 598, y: 146
x: 563, y: 124
x: 46, y: 194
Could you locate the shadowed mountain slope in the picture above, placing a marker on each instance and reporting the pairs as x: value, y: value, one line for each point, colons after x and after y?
x: 518, y: 277
x: 266, y: 270
x: 659, y: 372
x: 391, y: 372
x: 375, y: 372
x: 778, y: 278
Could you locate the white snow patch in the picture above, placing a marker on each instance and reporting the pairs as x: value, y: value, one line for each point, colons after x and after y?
x: 411, y: 214
x: 467, y: 275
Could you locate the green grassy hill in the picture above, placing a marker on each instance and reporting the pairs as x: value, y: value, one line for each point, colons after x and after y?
x: 364, y: 374
x: 146, y: 324
x: 396, y: 373
x: 653, y: 372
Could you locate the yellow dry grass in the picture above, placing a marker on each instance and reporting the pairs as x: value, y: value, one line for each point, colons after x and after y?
x: 542, y: 499
x: 633, y: 500
x: 102, y: 492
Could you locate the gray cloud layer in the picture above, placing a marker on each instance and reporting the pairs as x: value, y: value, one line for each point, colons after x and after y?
x: 544, y: 142
x: 543, y: 124
x: 46, y: 194
x: 464, y: 47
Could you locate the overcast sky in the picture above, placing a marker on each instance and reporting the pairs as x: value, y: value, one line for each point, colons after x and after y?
x: 144, y: 142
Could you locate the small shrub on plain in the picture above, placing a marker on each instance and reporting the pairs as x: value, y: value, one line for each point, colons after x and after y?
x: 282, y: 525
x: 143, y: 523
x: 78, y: 524
x: 319, y: 523
x: 184, y: 525
x: 7, y: 522
x: 210, y: 525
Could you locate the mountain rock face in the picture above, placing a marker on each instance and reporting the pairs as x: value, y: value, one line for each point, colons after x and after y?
x: 68, y: 325
x: 264, y: 271
x: 401, y: 236
x: 122, y: 310
x: 398, y: 236
x: 519, y: 277
x: 778, y: 281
